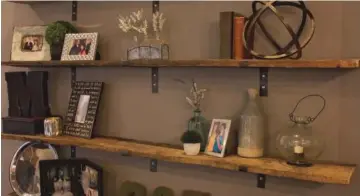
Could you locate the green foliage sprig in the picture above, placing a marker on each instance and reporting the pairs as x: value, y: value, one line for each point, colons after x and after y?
x: 190, y: 137
x: 56, y: 31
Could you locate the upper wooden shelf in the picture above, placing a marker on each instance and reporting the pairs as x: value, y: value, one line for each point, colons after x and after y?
x: 323, y: 173
x: 348, y: 63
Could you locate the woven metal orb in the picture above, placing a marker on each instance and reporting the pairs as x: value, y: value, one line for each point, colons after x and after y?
x: 283, y: 52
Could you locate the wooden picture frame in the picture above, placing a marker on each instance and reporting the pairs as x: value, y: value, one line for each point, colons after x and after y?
x: 82, y: 109
x: 29, y: 44
x: 70, y: 177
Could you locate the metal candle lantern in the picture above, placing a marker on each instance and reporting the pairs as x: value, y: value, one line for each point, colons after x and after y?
x: 52, y: 126
x: 298, y: 144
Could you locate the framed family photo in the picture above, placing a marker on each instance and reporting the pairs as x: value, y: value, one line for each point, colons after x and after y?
x: 70, y: 177
x: 218, y: 136
x: 29, y: 44
x: 79, y: 46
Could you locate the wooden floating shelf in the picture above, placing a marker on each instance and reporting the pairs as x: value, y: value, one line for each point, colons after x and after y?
x: 322, y: 173
x: 251, y: 63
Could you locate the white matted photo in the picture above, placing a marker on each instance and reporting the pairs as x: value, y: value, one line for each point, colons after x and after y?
x: 218, y: 136
x: 82, y: 108
x: 29, y: 44
x: 79, y: 46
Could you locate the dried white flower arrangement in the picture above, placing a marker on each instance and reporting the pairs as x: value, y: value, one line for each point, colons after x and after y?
x: 138, y: 23
x: 196, y: 95
x: 158, y: 23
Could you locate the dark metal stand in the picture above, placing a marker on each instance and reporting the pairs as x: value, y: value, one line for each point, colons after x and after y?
x: 155, y: 70
x: 153, y: 165
x: 261, y: 180
x: 263, y: 88
x: 73, y: 69
x: 74, y: 11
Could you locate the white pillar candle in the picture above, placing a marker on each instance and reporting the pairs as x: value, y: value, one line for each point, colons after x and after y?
x: 299, y: 149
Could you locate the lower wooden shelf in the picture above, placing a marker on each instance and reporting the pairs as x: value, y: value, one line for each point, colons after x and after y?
x: 322, y: 173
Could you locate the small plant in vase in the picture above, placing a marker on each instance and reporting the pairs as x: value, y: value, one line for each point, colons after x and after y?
x: 192, y: 142
x: 55, y: 36
x: 198, y: 123
x: 145, y: 48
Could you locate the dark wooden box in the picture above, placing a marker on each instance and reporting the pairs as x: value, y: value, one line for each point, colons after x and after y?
x: 26, y: 126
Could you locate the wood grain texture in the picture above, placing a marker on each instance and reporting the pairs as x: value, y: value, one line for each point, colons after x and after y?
x: 350, y: 63
x: 322, y: 173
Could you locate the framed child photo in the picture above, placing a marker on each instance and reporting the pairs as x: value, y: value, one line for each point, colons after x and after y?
x: 29, y: 44
x: 218, y: 136
x: 79, y: 46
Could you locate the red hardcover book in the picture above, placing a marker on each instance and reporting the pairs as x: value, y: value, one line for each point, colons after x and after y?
x: 238, y: 47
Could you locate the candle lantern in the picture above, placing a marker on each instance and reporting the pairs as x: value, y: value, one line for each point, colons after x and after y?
x: 298, y: 144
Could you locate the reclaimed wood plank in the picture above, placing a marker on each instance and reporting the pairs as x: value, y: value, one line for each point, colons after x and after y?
x: 321, y: 172
x: 251, y: 63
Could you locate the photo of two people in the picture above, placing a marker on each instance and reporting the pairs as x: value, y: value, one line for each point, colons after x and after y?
x: 218, y: 134
x: 80, y: 47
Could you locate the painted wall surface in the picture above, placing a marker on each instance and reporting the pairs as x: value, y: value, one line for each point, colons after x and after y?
x: 130, y: 110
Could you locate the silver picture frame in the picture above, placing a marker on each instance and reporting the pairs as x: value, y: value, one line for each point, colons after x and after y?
x: 29, y: 44
x: 79, y: 46
x: 24, y: 167
x: 218, y: 136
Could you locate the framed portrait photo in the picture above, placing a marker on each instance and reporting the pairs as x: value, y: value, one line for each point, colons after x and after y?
x: 218, y: 136
x: 79, y: 46
x: 29, y: 44
x: 82, y: 109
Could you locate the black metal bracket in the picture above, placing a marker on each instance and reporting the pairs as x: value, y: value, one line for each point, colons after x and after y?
x: 263, y: 82
x: 73, y: 76
x: 153, y: 165
x: 74, y: 10
x: 155, y: 70
x: 125, y: 153
x: 73, y: 80
x: 155, y: 80
x: 155, y: 6
x: 72, y: 151
x: 261, y: 180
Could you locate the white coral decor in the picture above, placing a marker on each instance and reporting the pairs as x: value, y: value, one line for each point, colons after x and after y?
x: 138, y: 23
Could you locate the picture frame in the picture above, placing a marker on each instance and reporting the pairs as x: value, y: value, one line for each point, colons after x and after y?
x: 219, y: 129
x: 79, y: 46
x: 83, y: 105
x: 70, y: 177
x: 29, y: 44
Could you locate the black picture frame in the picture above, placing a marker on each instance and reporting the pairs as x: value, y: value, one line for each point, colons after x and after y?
x: 71, y: 177
x: 82, y: 109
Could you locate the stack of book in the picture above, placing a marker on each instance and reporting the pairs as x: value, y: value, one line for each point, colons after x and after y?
x: 231, y: 36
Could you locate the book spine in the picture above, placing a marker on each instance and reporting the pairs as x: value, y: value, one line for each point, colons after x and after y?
x: 238, y: 29
x: 226, y: 35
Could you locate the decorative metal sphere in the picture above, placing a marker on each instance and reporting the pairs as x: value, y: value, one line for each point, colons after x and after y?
x: 283, y: 52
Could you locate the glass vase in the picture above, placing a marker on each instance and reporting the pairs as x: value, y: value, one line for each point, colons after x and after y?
x: 199, y: 124
x: 298, y: 144
x: 251, y: 132
x: 149, y: 49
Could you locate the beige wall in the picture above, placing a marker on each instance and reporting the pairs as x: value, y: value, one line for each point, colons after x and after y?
x: 130, y: 110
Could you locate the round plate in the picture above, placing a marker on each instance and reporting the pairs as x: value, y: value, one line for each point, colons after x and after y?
x: 24, y: 167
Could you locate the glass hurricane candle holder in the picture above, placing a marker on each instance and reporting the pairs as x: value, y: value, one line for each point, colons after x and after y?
x: 298, y: 143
